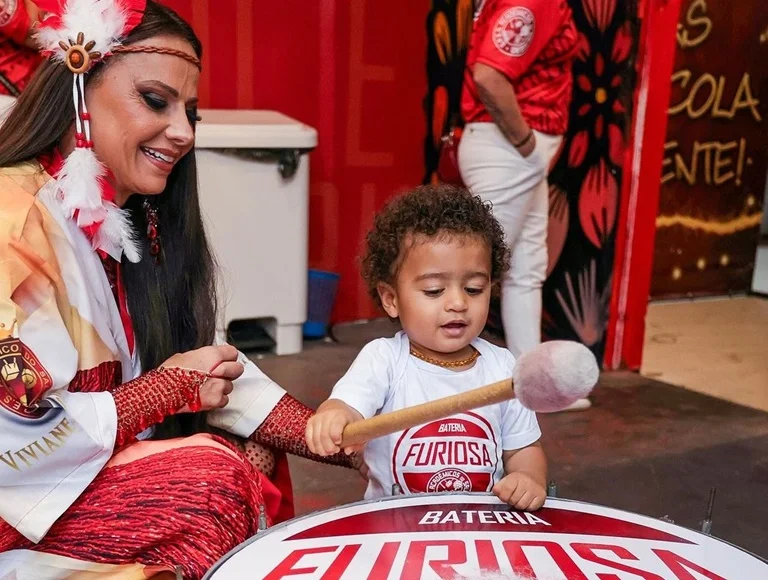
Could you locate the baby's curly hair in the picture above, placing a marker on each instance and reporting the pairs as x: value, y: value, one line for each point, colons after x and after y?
x: 429, y: 210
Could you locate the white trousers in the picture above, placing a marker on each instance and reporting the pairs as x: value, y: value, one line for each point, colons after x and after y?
x: 517, y: 187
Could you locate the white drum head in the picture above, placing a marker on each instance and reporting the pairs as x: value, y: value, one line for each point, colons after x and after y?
x: 465, y: 536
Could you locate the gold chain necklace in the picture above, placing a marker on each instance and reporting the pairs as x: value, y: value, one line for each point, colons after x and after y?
x: 446, y: 364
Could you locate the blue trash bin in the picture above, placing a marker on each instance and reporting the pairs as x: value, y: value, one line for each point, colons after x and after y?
x: 321, y: 297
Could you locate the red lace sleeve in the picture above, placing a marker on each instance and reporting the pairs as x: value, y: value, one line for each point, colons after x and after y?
x: 150, y: 398
x: 284, y: 429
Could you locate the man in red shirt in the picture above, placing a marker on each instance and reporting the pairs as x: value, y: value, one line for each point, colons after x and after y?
x: 18, y: 58
x: 516, y: 95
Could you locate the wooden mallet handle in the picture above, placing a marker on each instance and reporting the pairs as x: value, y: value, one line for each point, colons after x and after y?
x: 386, y: 423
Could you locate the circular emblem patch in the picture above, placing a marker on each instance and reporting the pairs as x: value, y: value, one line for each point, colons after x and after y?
x: 23, y: 379
x: 449, y: 480
x: 7, y: 10
x: 513, y: 31
x: 458, y: 453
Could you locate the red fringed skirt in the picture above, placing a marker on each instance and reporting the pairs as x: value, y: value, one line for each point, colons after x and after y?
x: 155, y: 506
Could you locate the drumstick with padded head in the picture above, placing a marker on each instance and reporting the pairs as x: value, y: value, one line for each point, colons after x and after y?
x: 549, y: 378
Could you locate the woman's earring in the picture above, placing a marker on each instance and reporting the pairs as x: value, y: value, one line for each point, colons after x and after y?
x: 152, y: 232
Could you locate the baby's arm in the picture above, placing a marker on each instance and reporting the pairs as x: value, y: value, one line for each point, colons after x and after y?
x: 525, y: 481
x: 324, y: 429
x: 357, y: 395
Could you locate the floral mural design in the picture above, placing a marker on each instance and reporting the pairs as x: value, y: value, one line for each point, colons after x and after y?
x: 449, y: 26
x: 598, y: 204
x: 559, y: 216
x: 599, y: 93
x: 587, y: 309
x: 589, y: 172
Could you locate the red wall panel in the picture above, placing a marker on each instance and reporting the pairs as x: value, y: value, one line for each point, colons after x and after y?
x: 353, y: 70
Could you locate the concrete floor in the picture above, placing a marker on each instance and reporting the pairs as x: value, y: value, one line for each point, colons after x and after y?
x: 718, y: 347
x: 644, y: 446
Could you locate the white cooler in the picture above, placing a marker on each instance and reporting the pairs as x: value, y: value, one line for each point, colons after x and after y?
x: 253, y: 171
x: 760, y: 275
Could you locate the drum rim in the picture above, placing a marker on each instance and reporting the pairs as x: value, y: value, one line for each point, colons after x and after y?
x: 281, y: 525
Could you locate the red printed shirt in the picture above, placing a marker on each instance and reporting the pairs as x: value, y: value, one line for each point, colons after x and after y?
x: 531, y: 42
x: 17, y: 62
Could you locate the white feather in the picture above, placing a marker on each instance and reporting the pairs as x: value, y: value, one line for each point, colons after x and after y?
x: 79, y: 181
x: 115, y: 235
x: 101, y: 21
x: 86, y: 217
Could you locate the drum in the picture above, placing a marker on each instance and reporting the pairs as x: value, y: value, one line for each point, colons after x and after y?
x: 430, y: 536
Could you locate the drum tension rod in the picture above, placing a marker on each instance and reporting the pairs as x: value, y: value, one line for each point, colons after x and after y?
x: 262, y: 519
x: 706, y: 525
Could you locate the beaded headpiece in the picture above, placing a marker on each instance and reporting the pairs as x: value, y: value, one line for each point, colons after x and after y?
x: 81, y: 33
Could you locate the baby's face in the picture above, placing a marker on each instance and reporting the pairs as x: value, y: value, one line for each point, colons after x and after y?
x: 443, y: 292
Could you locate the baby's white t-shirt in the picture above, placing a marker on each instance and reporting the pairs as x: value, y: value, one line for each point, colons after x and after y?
x: 460, y: 453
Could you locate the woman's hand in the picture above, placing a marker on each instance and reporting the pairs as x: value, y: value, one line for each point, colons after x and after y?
x: 218, y: 361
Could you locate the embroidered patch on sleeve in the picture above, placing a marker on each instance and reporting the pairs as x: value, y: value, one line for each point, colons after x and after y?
x: 514, y: 30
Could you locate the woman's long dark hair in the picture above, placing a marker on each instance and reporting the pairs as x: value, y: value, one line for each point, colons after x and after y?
x: 173, y: 304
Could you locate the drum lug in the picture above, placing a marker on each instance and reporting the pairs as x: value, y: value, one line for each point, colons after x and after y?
x: 396, y: 489
x: 262, y: 519
x: 552, y: 489
x: 667, y: 519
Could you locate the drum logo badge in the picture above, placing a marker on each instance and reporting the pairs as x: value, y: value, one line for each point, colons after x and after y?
x: 449, y: 480
x: 23, y: 379
x: 513, y: 31
x: 457, y: 454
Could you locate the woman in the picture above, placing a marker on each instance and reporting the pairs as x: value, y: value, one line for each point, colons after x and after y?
x: 105, y: 334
